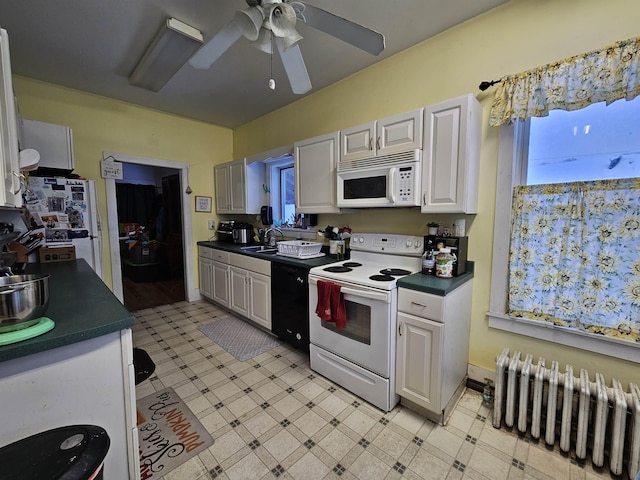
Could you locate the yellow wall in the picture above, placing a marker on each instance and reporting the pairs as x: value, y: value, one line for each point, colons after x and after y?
x: 517, y: 36
x: 101, y: 124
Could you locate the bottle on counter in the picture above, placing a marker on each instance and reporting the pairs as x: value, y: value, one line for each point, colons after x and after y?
x: 428, y: 262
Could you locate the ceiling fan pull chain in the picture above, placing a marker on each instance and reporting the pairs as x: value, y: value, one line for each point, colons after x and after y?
x: 272, y: 82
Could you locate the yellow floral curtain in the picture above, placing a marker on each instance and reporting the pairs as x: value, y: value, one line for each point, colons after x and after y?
x: 575, y: 256
x: 607, y: 75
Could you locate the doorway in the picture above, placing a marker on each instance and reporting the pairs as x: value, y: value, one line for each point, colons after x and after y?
x: 158, y: 268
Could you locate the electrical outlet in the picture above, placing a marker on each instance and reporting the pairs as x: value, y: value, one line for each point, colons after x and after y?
x: 212, y: 225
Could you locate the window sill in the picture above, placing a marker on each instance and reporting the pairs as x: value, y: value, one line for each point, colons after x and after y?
x: 301, y: 233
x: 573, y: 338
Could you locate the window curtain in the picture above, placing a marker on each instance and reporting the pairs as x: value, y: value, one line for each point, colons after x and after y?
x: 607, y: 75
x: 575, y: 256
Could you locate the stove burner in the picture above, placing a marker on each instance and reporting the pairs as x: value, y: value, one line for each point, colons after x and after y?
x: 395, y: 271
x: 337, y: 269
x: 351, y: 264
x: 381, y: 278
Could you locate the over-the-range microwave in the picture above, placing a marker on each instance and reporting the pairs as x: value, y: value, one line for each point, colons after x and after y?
x: 389, y: 181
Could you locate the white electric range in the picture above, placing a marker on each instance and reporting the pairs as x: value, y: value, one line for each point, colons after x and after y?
x: 361, y: 357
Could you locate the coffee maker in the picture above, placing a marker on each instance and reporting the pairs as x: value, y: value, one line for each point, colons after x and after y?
x: 458, y: 246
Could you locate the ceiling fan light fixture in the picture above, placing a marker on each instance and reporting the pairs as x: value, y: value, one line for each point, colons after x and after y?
x: 282, y: 19
x: 168, y: 52
x: 250, y: 21
x: 290, y: 40
x: 263, y: 43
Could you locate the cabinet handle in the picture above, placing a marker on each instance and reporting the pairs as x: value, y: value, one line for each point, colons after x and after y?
x: 23, y: 181
x: 370, y: 143
x: 424, y: 199
x: 378, y: 143
x: 418, y: 304
x: 400, y: 329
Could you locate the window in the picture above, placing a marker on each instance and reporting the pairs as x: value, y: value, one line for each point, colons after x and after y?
x: 287, y: 193
x: 598, y: 142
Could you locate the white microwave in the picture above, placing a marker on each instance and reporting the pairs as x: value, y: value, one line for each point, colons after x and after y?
x: 390, y: 181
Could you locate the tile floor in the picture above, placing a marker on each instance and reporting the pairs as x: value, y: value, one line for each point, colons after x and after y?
x: 273, y: 417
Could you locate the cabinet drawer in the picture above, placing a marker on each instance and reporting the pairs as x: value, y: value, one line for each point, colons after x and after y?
x: 251, y: 264
x: 205, y: 252
x: 220, y: 255
x: 420, y: 304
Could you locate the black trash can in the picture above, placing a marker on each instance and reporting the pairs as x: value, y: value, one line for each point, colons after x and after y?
x: 74, y: 452
x: 143, y: 366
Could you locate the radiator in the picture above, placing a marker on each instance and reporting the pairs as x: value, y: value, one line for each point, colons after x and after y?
x: 589, y: 415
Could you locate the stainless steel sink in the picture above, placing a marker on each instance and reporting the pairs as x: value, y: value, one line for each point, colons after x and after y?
x: 259, y: 249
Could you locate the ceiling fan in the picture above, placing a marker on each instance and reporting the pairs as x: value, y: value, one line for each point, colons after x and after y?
x: 274, y: 21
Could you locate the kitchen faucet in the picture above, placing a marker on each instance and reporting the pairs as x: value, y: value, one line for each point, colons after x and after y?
x: 273, y: 230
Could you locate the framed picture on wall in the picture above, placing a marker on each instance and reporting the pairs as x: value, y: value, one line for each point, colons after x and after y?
x: 203, y: 204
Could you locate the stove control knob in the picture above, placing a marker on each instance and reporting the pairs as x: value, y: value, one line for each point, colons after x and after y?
x: 409, y: 243
x: 418, y: 243
x: 361, y: 239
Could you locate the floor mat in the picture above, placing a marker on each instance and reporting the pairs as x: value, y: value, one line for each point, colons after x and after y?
x: 169, y: 433
x: 237, y: 337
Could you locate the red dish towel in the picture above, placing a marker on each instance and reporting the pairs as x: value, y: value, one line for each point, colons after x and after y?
x: 330, y: 305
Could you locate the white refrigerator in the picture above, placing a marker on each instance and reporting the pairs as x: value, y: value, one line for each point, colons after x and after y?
x: 67, y: 211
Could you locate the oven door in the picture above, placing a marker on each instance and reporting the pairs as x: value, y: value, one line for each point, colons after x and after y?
x: 371, y: 317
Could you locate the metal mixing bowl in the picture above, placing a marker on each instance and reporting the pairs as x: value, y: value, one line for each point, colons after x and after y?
x: 23, y: 298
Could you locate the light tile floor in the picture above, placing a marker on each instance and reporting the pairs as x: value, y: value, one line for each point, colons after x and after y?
x: 273, y: 417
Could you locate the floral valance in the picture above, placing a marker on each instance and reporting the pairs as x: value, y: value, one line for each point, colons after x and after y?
x: 607, y: 75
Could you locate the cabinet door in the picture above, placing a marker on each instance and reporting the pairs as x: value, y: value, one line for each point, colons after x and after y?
x: 260, y: 299
x: 399, y: 133
x: 237, y: 189
x: 220, y: 286
x: 357, y: 142
x: 451, y: 155
x: 223, y: 201
x: 10, y: 178
x: 206, y: 277
x: 315, y: 169
x: 418, y: 361
x: 239, y: 299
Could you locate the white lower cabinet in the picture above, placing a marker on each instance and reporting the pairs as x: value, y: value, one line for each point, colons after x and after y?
x: 205, y: 268
x: 220, y: 283
x: 239, y: 282
x: 418, y: 360
x: 432, y: 349
x: 89, y: 382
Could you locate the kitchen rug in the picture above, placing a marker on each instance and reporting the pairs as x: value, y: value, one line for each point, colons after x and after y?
x: 237, y: 337
x: 169, y: 433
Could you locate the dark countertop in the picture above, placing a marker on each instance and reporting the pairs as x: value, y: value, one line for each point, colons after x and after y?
x: 81, y: 306
x: 433, y: 284
x: 236, y: 248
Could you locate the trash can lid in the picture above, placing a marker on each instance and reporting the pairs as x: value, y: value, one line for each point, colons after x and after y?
x: 74, y: 452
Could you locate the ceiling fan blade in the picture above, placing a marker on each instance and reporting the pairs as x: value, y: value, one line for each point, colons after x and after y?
x: 214, y: 48
x: 343, y: 29
x: 295, y: 67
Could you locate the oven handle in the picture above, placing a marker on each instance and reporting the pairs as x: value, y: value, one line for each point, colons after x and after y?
x: 364, y: 293
x: 382, y: 296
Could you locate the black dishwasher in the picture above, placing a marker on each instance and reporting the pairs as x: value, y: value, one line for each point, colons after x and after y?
x: 290, y: 304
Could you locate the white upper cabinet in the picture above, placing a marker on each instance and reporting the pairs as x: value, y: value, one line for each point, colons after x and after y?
x: 315, y: 162
x: 397, y: 133
x: 239, y: 187
x: 53, y: 142
x: 10, y: 185
x: 451, y: 156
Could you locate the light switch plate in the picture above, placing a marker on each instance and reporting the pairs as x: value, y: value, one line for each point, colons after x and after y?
x: 212, y: 224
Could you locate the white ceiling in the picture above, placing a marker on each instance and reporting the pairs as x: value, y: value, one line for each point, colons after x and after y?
x: 93, y: 45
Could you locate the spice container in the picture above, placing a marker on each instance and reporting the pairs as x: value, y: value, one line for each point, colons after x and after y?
x: 444, y: 263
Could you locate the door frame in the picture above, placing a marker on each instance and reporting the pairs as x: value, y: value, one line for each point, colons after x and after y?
x: 114, y: 233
